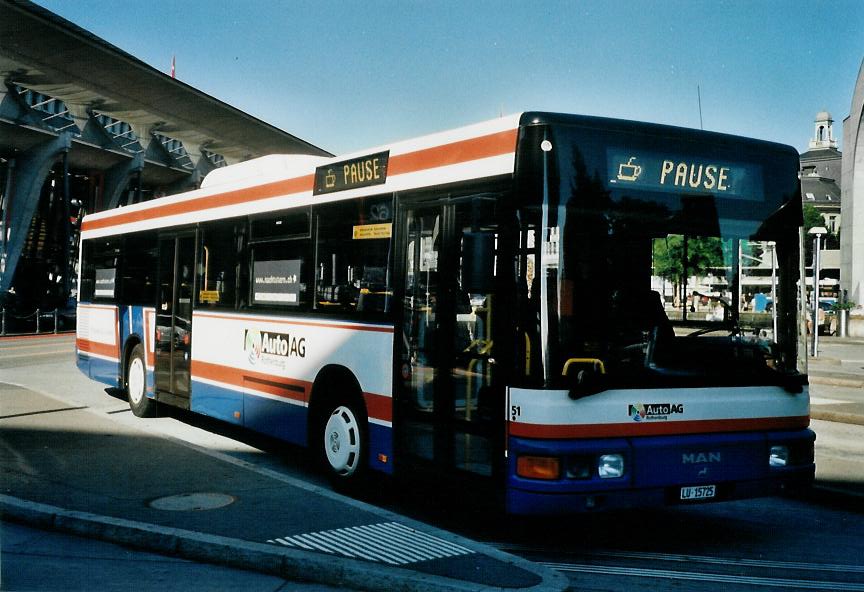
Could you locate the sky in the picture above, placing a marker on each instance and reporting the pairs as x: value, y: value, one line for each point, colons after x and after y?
x: 347, y: 75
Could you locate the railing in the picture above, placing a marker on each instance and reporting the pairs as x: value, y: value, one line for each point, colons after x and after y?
x: 21, y: 322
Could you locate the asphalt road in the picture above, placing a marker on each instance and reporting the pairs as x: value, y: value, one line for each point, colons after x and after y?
x: 813, y: 542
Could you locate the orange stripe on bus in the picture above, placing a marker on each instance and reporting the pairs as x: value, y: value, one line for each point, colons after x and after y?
x: 454, y: 153
x: 267, y: 383
x: 94, y: 347
x: 379, y: 406
x: 247, y: 194
x: 528, y: 430
x: 458, y: 152
x: 149, y: 336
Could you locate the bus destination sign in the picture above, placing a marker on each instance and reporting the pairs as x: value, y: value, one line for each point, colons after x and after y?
x: 682, y: 174
x: 351, y: 174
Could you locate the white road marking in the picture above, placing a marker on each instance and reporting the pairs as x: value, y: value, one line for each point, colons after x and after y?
x: 707, y: 577
x: 388, y: 542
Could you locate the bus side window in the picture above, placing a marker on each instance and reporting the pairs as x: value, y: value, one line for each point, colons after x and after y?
x: 138, y: 267
x: 352, y: 272
x: 218, y: 264
x: 99, y: 270
x: 280, y: 246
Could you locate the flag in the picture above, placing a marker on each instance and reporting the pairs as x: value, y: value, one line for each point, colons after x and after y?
x: 173, y: 66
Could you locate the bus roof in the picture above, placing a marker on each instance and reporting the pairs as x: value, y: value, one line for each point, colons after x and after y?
x: 280, y: 181
x: 276, y: 182
x: 656, y: 130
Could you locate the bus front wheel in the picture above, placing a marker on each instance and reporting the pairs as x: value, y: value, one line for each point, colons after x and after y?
x: 344, y: 444
x: 136, y: 384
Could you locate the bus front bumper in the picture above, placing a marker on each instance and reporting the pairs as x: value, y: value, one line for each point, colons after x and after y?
x: 662, y: 470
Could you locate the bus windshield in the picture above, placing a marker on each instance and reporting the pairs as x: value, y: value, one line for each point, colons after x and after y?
x: 659, y: 267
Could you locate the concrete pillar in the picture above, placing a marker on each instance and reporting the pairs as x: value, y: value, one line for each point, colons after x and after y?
x: 202, y: 164
x: 31, y: 170
x: 852, y: 204
x: 80, y: 116
x: 117, y: 178
x: 14, y: 109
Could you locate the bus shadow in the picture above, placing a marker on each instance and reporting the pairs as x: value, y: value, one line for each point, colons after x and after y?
x: 295, y: 459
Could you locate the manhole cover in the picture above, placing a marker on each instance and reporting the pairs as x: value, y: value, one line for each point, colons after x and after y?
x: 191, y: 502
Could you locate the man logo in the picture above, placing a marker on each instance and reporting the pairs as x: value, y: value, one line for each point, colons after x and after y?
x: 695, y: 458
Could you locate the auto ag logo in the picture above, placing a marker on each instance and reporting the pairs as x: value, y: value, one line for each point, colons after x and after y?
x: 252, y: 346
x: 654, y: 411
x: 273, y: 349
x: 637, y: 412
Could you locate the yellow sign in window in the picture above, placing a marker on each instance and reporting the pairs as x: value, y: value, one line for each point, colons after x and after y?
x: 373, y: 231
x: 208, y: 296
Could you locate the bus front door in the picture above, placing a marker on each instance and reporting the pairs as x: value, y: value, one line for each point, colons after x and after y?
x: 446, y: 398
x: 174, y: 319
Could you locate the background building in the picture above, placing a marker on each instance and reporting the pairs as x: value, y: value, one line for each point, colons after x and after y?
x: 821, y: 168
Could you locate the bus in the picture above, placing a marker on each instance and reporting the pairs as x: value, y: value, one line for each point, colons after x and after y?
x: 547, y: 304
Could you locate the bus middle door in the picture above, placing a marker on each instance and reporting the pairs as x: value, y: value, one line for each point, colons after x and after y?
x: 446, y: 357
x: 174, y: 318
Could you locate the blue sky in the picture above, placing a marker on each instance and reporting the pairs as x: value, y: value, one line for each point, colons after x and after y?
x: 348, y: 75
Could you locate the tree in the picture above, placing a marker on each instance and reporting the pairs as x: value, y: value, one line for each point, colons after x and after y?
x: 703, y: 253
x: 813, y: 218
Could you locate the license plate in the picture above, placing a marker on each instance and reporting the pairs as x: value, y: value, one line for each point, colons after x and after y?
x: 698, y: 492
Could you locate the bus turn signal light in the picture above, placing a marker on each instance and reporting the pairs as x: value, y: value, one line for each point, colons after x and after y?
x: 538, y: 467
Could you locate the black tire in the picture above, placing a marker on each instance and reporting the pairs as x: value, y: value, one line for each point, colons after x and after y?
x: 136, y: 384
x: 343, y: 443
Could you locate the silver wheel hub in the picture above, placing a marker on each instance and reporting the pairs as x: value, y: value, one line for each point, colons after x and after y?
x: 136, y: 380
x: 342, y: 441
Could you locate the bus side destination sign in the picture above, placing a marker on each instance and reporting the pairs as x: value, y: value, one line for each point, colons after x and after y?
x: 351, y: 174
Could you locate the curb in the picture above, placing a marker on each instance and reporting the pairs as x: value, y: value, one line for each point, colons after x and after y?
x: 287, y: 563
x: 831, y: 381
x: 837, y: 416
x: 27, y: 336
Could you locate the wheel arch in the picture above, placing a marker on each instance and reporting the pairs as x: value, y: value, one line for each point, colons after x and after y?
x: 128, y: 347
x: 333, y: 382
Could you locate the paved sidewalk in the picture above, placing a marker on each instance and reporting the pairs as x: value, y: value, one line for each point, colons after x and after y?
x: 76, y: 470
x: 840, y: 364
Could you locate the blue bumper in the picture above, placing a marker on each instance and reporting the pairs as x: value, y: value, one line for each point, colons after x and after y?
x: 656, y: 468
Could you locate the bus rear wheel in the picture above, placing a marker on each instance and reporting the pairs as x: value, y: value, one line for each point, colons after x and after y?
x: 136, y: 385
x: 343, y: 434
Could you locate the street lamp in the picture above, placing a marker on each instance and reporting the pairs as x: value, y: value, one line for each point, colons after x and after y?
x: 817, y: 231
x: 771, y: 245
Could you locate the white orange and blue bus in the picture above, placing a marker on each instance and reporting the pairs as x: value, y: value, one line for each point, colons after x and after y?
x: 483, y: 303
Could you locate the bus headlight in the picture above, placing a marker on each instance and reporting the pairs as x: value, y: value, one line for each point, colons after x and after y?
x: 779, y: 456
x: 610, y: 466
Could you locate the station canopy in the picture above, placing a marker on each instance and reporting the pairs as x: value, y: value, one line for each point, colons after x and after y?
x: 58, y: 78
